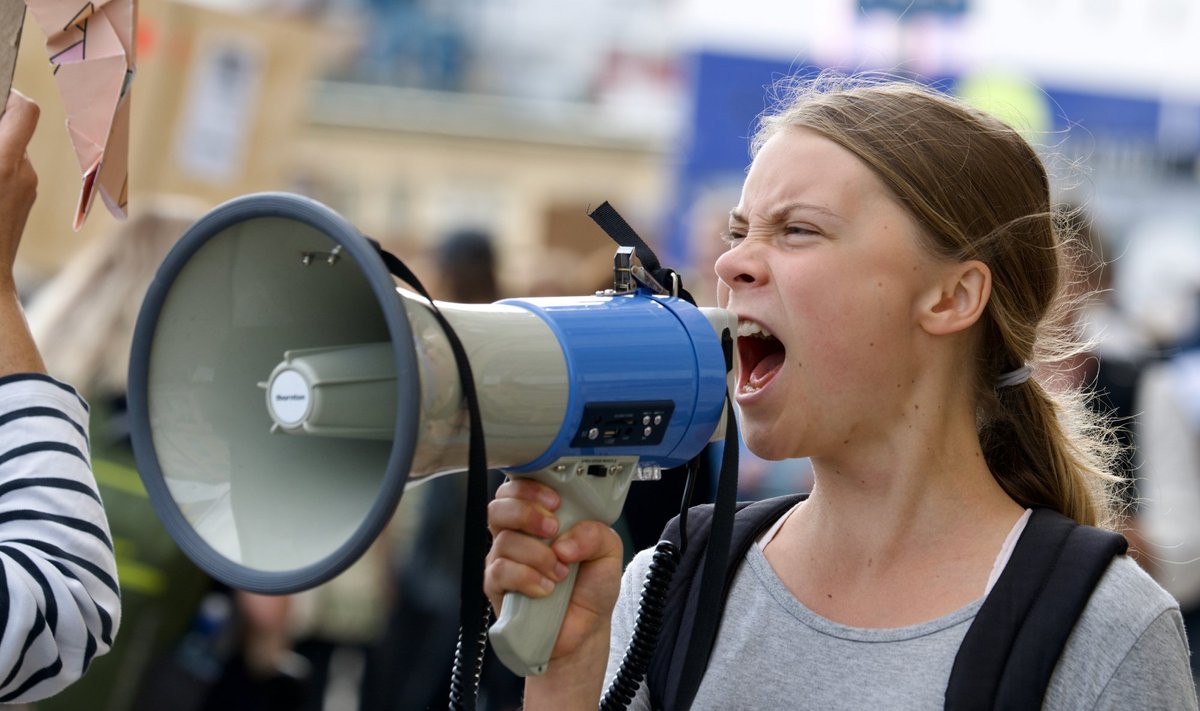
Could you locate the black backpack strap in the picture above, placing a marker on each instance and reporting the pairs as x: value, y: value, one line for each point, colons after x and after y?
x: 1013, y: 645
x: 671, y: 679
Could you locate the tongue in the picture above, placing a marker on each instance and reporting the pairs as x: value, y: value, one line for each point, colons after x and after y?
x: 765, y: 369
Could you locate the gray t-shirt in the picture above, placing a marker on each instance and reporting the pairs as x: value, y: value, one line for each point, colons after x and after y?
x: 1128, y: 650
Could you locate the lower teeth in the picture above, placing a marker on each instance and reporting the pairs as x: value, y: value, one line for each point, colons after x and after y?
x: 748, y: 388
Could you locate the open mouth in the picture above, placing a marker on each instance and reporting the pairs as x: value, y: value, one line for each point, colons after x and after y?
x: 761, y: 356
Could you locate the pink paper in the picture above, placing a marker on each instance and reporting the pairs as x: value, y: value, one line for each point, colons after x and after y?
x: 91, y: 48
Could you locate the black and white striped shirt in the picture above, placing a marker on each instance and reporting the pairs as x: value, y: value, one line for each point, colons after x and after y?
x: 59, y: 598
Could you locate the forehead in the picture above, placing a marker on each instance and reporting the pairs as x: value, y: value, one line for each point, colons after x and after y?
x: 801, y: 165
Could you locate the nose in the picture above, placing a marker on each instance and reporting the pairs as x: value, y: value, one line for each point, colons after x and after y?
x: 741, y: 266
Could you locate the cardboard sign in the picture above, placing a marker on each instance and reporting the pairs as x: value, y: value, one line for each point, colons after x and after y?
x: 12, y: 19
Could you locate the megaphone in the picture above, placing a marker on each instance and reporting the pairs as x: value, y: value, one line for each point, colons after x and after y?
x: 284, y: 391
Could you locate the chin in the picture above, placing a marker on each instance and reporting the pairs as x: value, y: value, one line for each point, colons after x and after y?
x: 763, y: 445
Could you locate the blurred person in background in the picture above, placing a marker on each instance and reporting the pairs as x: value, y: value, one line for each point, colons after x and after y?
x: 60, y: 602
x: 1165, y: 256
x: 300, y: 652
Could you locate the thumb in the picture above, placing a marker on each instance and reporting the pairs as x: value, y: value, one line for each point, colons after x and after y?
x: 588, y: 541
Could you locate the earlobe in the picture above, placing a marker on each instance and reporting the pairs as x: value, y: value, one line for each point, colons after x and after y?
x: 961, y: 299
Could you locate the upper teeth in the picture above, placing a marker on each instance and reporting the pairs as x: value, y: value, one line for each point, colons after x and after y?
x: 750, y: 328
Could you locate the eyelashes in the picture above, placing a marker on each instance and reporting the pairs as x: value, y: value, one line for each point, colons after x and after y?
x: 792, y: 234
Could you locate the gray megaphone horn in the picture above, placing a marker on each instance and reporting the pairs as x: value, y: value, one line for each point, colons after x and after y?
x: 283, y: 392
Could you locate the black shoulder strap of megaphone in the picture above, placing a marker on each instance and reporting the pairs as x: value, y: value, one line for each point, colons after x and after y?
x: 474, y: 610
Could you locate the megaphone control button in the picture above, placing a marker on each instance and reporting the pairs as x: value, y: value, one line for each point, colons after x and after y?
x: 289, y: 397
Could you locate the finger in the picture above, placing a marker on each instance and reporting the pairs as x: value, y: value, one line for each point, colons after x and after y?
x: 17, y: 125
x: 529, y: 551
x: 503, y: 576
x: 587, y: 541
x: 509, y: 514
x: 530, y: 490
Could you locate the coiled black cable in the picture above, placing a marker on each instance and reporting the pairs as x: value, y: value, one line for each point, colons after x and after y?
x: 466, y: 673
x: 648, y: 624
x: 646, y: 627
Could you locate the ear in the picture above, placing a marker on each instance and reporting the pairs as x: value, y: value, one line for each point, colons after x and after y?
x: 959, y: 300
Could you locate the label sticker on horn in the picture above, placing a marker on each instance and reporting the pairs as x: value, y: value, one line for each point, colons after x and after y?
x: 288, y: 398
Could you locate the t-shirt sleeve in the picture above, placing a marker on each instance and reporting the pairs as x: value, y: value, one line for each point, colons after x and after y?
x: 59, y: 597
x: 623, y: 619
x: 1155, y: 673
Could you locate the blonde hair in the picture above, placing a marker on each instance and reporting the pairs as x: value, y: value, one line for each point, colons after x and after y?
x: 981, y: 192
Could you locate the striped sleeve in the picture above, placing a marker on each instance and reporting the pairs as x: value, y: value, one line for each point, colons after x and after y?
x: 59, y: 598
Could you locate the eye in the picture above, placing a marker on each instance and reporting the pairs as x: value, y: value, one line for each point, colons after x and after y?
x: 732, y: 237
x: 799, y: 233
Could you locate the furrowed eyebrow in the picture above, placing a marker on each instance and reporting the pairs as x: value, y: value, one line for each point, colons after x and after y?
x: 779, y: 214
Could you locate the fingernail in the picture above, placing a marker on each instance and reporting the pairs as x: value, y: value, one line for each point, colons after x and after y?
x: 548, y: 498
x: 561, y: 570
x: 547, y: 585
x: 549, y: 526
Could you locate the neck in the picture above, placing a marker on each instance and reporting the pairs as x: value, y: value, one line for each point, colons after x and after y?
x: 886, y: 497
x: 889, y: 541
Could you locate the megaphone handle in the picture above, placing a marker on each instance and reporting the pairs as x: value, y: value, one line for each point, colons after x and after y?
x: 524, y: 635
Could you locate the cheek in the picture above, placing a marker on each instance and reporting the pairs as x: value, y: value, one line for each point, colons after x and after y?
x: 846, y: 329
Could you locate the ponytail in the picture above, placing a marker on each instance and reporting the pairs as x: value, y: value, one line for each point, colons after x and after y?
x: 1048, y: 448
x: 1044, y: 443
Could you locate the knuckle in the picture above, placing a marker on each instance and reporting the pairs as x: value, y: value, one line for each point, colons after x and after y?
x: 504, y: 513
x: 535, y: 522
x: 506, y: 489
x: 503, y: 542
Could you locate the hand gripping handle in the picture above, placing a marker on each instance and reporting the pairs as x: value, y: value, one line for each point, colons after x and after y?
x: 524, y: 636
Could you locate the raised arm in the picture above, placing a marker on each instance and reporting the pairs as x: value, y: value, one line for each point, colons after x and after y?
x: 59, y: 598
x: 18, y: 189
